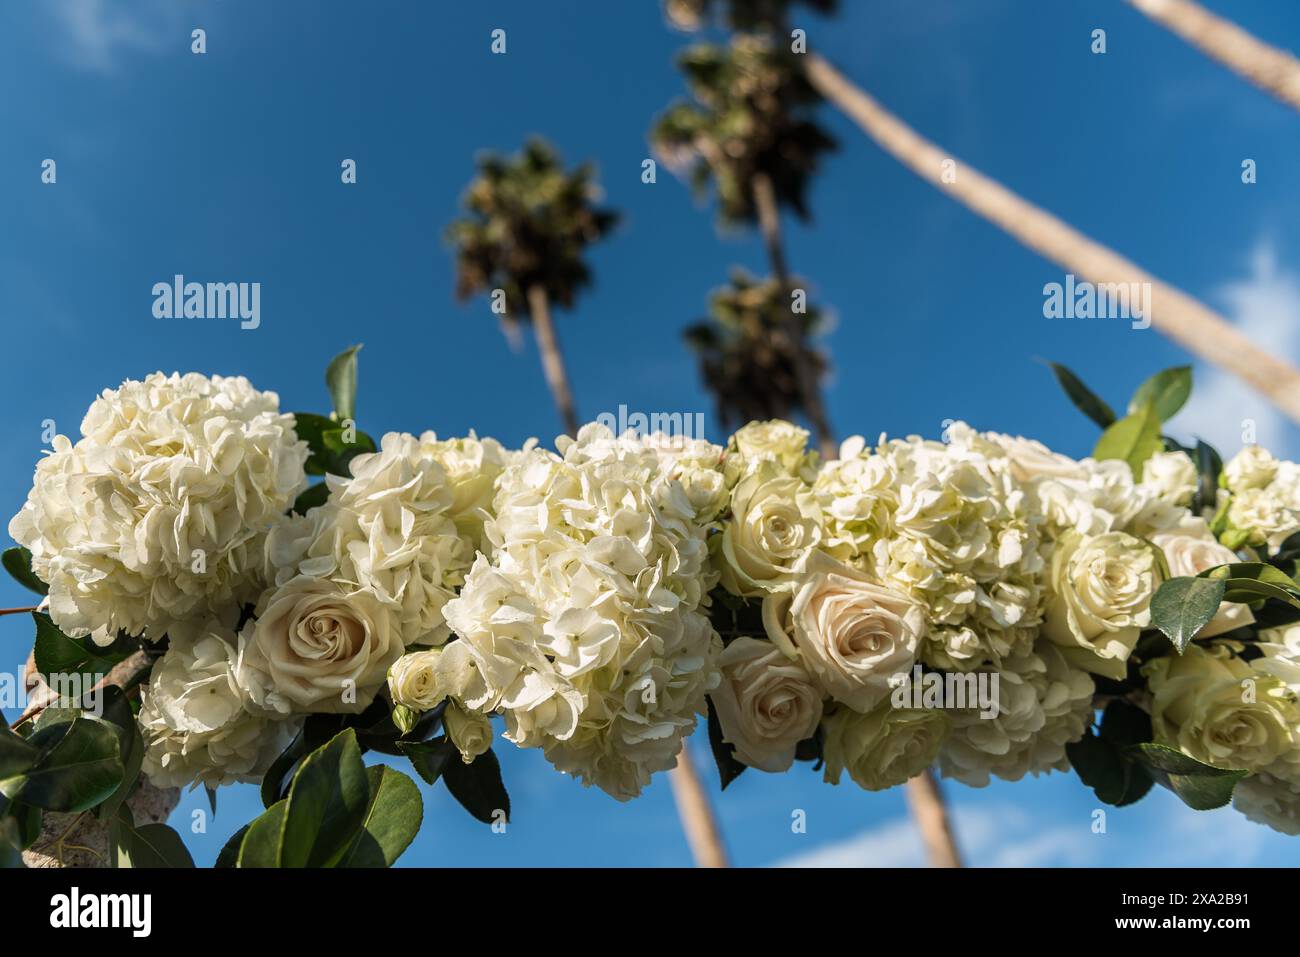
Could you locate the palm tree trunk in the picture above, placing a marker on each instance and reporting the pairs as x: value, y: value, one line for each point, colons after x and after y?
x: 931, y: 815
x: 1273, y: 70
x: 539, y: 310
x: 769, y: 222
x: 1197, y: 328
x: 693, y: 807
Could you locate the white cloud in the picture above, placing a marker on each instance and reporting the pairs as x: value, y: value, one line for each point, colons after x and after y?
x: 98, y: 33
x: 1265, y: 306
x: 991, y: 835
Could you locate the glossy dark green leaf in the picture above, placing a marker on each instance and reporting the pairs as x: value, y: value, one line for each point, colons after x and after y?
x: 479, y: 788
x: 1084, y: 399
x: 17, y: 754
x: 1208, y: 466
x: 18, y: 563
x: 79, y: 766
x: 1200, y: 786
x: 430, y: 758
x: 1166, y: 392
x: 115, y: 709
x: 1183, y: 606
x: 316, y: 495
x: 391, y: 822
x: 1099, y: 765
x: 326, y: 805
x: 724, y: 755
x: 228, y: 856
x: 58, y: 656
x: 11, y: 847
x: 147, y: 846
x: 260, y: 845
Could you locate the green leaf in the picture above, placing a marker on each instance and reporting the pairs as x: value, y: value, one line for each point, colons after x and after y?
x: 1084, y: 399
x: 18, y: 563
x: 341, y: 377
x: 326, y: 805
x: 148, y: 846
x: 17, y: 754
x: 392, y: 820
x: 116, y: 711
x: 1208, y: 466
x: 229, y: 854
x: 724, y: 755
x: 260, y: 846
x: 478, y: 787
x: 1166, y: 392
x: 1251, y: 581
x: 58, y: 655
x: 79, y: 766
x: 316, y: 495
x: 1100, y: 766
x: 11, y: 846
x: 1133, y: 439
x: 1201, y: 787
x: 325, y: 440
x: 430, y: 758
x: 1183, y: 606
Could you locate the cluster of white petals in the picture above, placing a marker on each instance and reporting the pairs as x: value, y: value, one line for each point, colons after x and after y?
x: 158, y: 514
x: 584, y: 625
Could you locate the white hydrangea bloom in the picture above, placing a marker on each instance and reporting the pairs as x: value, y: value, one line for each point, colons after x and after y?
x: 193, y: 715
x: 405, y: 527
x: 584, y: 624
x: 1043, y: 704
x: 158, y: 513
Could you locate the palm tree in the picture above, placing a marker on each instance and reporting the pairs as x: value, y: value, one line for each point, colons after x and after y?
x: 1273, y: 70
x: 528, y: 226
x: 748, y: 367
x: 687, y: 135
x: 1193, y: 325
x: 748, y: 133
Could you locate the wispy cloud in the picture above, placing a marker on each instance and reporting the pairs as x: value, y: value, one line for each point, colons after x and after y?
x: 1265, y: 306
x: 99, y: 33
x: 992, y: 835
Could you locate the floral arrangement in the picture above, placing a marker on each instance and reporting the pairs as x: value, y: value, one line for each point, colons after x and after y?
x: 271, y: 595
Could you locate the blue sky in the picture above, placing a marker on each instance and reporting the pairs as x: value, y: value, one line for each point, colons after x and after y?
x: 225, y: 167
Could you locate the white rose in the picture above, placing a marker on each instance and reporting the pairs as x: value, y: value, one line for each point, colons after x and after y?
x: 469, y: 731
x: 776, y: 439
x: 852, y: 634
x: 1251, y: 468
x: 1101, y: 599
x: 1188, y: 556
x: 315, y: 647
x: 1171, y: 475
x: 775, y: 524
x: 1199, y: 705
x: 765, y: 703
x: 884, y: 747
x: 413, y: 680
x: 1269, y: 800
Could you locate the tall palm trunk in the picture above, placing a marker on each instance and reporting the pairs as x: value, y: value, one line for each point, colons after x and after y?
x: 1273, y: 70
x: 931, y: 816
x: 1194, y: 326
x: 539, y: 310
x: 769, y: 222
x: 693, y: 807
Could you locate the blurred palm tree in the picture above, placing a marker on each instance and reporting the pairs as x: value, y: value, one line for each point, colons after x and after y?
x: 529, y: 225
x: 748, y: 133
x: 744, y: 361
x: 1197, y: 328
